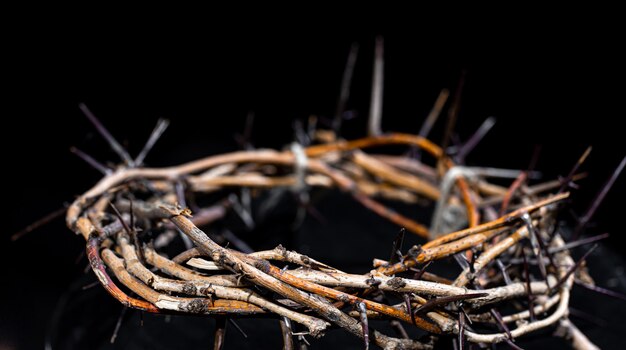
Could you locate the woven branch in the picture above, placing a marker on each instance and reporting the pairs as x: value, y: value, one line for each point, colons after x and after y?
x: 215, y: 280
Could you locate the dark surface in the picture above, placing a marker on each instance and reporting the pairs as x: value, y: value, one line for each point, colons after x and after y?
x: 543, y: 90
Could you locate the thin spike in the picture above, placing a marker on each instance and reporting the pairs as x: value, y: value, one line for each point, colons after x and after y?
x: 376, y: 103
x: 397, y: 246
x: 409, y: 309
x: 531, y: 310
x: 134, y: 235
x: 159, y: 129
x: 236, y: 241
x: 220, y: 333
x: 245, y: 216
x: 435, y: 112
x: 91, y: 161
x: 238, y: 327
x: 535, y: 158
x: 588, y: 317
x: 117, y: 148
x: 461, y: 331
x: 120, y: 319
x: 578, y: 243
x: 574, y: 267
x: 601, y: 290
x: 346, y: 82
x: 40, y: 222
x: 120, y: 218
x: 584, y: 220
x: 285, y: 329
x: 247, y: 131
x: 432, y: 303
x: 501, y: 323
x: 418, y: 275
x: 130, y: 230
x: 511, y: 191
x: 453, y: 112
x: 132, y: 217
x: 507, y: 278
x: 303, y: 344
x: 542, y: 247
x: 399, y: 328
x: 569, y: 177
x: 364, y: 324
x: 90, y: 285
x: 471, y: 143
x: 512, y: 344
x: 179, y: 188
x: 467, y: 318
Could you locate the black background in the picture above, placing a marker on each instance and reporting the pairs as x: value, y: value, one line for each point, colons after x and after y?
x: 562, y: 89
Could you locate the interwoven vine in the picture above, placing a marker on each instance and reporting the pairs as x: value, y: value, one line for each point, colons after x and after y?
x: 135, y: 214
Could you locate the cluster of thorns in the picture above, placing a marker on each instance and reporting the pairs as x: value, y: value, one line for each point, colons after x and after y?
x: 516, y: 269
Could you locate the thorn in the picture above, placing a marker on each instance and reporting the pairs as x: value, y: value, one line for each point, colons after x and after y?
x: 117, y: 148
x: 519, y: 181
x: 220, y: 333
x: 179, y: 188
x: 584, y: 220
x: 90, y: 285
x: 158, y: 130
x: 346, y: 82
x: 241, y: 211
x: 542, y: 248
x: 119, y: 217
x: 432, y: 303
x: 247, y: 131
x: 364, y: 324
x: 435, y: 112
x: 238, y: 327
x: 285, y: 328
x: 300, y: 136
x: 453, y: 112
x: 40, y: 222
x: 461, y: 331
x: 418, y: 275
x: 588, y: 317
x: 467, y: 318
x: 574, y: 268
x: 407, y: 303
x: 79, y: 257
x: 512, y: 344
x: 535, y: 158
x: 501, y: 323
x: 601, y: 290
x: 471, y: 143
x: 304, y: 344
x: 569, y: 177
x: 91, y: 161
x: 131, y: 232
x: 236, y: 241
x: 507, y: 278
x: 376, y: 103
x: 461, y: 260
x: 471, y: 261
x: 134, y: 235
x: 397, y: 246
x: 132, y: 217
x: 579, y: 242
x: 397, y: 326
x: 118, y: 324
x: 531, y: 310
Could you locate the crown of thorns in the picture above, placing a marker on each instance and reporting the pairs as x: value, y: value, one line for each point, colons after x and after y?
x: 495, y: 233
